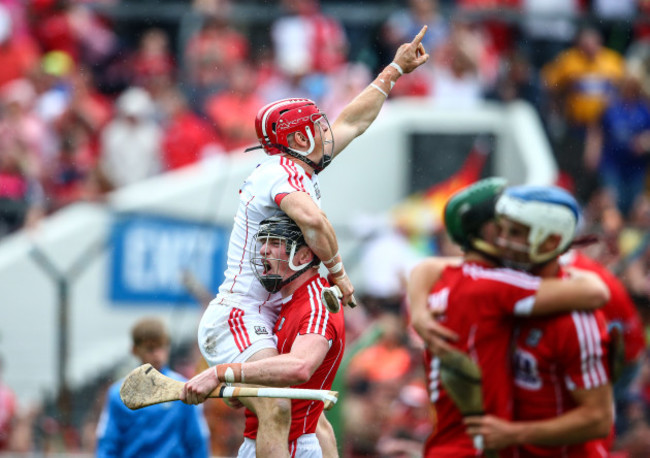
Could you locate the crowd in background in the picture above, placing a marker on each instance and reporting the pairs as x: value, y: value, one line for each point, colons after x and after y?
x: 85, y: 110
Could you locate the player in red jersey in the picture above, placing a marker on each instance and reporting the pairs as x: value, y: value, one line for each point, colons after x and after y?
x: 562, y: 397
x: 311, y: 340
x: 477, y: 304
x: 622, y: 317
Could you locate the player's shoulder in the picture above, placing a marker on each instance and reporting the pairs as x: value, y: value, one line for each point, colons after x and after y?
x: 279, y: 165
x: 500, y: 275
x: 581, y: 325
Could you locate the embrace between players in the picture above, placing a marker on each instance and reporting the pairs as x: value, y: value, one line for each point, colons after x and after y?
x: 267, y: 324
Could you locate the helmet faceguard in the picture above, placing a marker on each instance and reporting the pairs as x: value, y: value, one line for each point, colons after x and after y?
x: 467, y: 211
x: 277, y: 121
x: 545, y: 211
x: 273, y: 250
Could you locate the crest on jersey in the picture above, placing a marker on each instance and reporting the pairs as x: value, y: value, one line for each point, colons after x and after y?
x: 259, y: 330
x: 533, y: 338
x: 317, y: 190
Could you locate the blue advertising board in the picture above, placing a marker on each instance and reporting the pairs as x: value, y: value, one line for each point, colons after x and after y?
x: 150, y: 254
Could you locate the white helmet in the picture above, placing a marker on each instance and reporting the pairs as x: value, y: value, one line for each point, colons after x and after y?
x: 546, y: 211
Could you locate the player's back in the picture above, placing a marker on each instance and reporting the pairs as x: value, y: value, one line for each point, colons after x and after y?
x: 478, y: 303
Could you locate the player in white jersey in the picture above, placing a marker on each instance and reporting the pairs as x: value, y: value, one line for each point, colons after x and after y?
x: 238, y: 324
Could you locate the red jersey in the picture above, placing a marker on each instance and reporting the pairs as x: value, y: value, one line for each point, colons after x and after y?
x: 553, y: 356
x: 620, y: 310
x: 478, y: 303
x: 304, y: 313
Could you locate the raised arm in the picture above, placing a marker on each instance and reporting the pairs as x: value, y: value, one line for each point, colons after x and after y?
x: 357, y: 116
x: 423, y: 318
x: 585, y: 290
x: 320, y: 237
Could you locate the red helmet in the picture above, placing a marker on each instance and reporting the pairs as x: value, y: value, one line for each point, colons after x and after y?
x: 277, y: 120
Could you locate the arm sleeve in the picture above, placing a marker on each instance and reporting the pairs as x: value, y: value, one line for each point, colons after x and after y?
x: 109, y: 434
x: 196, y: 435
x: 285, y: 178
x: 582, y: 346
x: 517, y: 291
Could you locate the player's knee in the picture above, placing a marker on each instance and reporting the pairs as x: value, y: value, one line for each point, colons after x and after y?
x: 280, y: 412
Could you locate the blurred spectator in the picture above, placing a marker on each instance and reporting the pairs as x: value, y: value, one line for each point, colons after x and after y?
x: 581, y: 80
x: 18, y: 54
x: 308, y: 46
x: 548, y: 28
x: 172, y: 429
x: 72, y: 27
x: 307, y: 41
x: 233, y: 111
x: 405, y: 23
x: 70, y: 178
x: 217, y: 47
x: 153, y: 60
x: 346, y: 83
x: 390, y: 349
x: 187, y: 138
x: 635, y: 443
x: 22, y: 201
x: 637, y: 272
x: 619, y: 144
x: 401, y: 26
x: 518, y: 80
x: 19, y: 123
x: 131, y: 142
x: 462, y: 67
x: 8, y: 413
x: 410, y: 423
x: 385, y: 263
x: 53, y: 82
x: 374, y: 390
x: 501, y: 32
x: 615, y: 21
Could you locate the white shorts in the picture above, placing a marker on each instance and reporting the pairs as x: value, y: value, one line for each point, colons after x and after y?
x: 230, y: 333
x: 306, y: 446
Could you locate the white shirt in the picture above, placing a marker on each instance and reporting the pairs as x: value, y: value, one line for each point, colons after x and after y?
x: 259, y: 198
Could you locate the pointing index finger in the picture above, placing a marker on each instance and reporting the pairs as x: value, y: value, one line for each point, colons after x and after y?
x: 418, y: 38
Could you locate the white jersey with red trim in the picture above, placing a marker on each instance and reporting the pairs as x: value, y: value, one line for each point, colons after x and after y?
x: 239, y: 321
x: 259, y: 198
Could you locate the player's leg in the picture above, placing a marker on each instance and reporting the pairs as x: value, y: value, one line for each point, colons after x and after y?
x: 274, y: 418
x: 326, y: 437
x: 228, y: 335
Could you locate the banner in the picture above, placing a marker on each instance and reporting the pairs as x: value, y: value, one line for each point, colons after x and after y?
x: 150, y: 254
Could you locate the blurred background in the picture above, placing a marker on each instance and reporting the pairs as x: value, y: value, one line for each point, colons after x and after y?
x: 122, y: 130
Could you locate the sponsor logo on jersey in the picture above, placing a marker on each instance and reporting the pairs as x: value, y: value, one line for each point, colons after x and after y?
x: 526, y: 370
x: 261, y: 330
x: 317, y: 190
x: 281, y: 323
